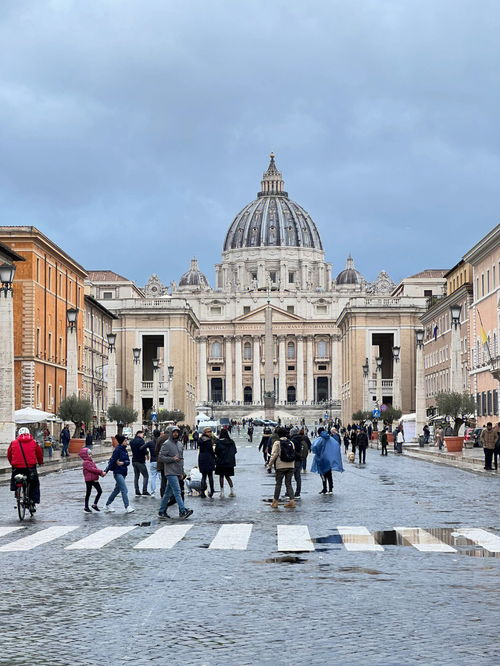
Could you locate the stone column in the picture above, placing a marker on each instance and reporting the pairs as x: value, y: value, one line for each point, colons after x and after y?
x: 7, y: 396
x: 202, y: 370
x: 300, y: 369
x: 72, y: 360
x: 269, y: 395
x: 156, y: 390
x: 229, y: 369
x: 282, y: 369
x: 238, y: 370
x: 257, y: 398
x: 310, y: 368
x: 283, y: 275
x: 261, y: 277
x: 336, y: 369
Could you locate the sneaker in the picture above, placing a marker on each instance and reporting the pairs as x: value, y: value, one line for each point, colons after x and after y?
x: 211, y: 494
x: 185, y: 514
x: 274, y: 504
x: 87, y: 510
x: 202, y: 494
x: 129, y: 509
x: 138, y: 494
x: 147, y: 494
x: 222, y: 493
x: 322, y: 492
x: 297, y: 496
x: 330, y: 492
x: 232, y: 493
x: 163, y: 515
x: 95, y: 507
x: 108, y: 508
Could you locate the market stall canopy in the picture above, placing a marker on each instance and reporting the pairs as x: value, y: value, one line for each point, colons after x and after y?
x: 31, y: 415
x: 201, y: 416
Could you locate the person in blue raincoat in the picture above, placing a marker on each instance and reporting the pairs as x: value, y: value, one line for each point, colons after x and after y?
x: 327, y: 457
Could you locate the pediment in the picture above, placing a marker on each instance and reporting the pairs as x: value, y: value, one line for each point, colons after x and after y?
x: 259, y: 315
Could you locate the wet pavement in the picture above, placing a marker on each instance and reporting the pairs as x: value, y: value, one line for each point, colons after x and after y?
x: 399, y: 566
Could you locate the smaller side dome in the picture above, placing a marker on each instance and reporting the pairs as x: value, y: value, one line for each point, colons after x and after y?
x: 194, y: 279
x: 349, y: 275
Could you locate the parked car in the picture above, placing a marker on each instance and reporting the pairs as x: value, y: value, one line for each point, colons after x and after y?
x: 476, y: 435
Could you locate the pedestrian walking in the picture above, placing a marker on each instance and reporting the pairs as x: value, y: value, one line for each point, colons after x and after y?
x: 140, y: 450
x: 65, y: 439
x: 91, y: 474
x: 438, y: 438
x: 345, y: 438
x: 265, y: 444
x: 301, y: 449
x: 488, y: 441
x: 327, y: 457
x: 400, y: 441
x: 153, y: 462
x: 250, y: 433
x: 118, y: 464
x: 206, y: 461
x: 89, y: 441
x: 283, y: 458
x: 383, y: 441
x: 225, y: 461
x: 354, y: 436
x: 172, y: 456
x: 362, y: 444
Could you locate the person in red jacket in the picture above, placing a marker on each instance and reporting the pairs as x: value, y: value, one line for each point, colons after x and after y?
x: 23, y: 455
x: 91, y: 473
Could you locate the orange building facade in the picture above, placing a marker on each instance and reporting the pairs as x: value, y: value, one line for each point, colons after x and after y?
x: 48, y: 283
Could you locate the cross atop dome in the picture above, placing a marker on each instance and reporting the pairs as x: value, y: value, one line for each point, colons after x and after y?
x: 272, y: 182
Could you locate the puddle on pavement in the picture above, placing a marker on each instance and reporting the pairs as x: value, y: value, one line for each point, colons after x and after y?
x: 286, y: 559
x: 447, y: 535
x: 372, y: 572
x: 145, y: 524
x: 330, y: 538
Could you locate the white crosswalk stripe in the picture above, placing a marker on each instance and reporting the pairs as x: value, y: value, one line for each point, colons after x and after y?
x: 358, y: 539
x: 233, y: 536
x: 100, y: 538
x: 423, y: 540
x: 485, y: 539
x: 166, y: 537
x: 39, y: 538
x: 7, y: 530
x: 294, y: 539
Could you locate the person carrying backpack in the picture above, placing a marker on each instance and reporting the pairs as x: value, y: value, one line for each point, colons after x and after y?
x: 283, y: 457
x: 301, y: 449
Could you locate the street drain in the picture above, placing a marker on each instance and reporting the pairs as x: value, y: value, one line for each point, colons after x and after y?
x: 286, y: 559
x: 146, y: 524
x: 330, y: 538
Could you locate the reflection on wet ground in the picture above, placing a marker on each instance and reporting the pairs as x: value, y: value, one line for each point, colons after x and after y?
x: 472, y: 543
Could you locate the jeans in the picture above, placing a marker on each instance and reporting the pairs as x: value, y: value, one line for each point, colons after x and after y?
x: 173, y: 488
x: 64, y: 450
x: 287, y: 475
x: 362, y: 454
x: 153, y: 475
x: 488, y: 457
x: 120, y: 487
x: 140, y: 468
x: 297, y: 475
x: 193, y: 485
x: 47, y: 450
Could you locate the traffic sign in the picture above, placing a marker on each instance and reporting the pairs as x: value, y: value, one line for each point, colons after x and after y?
x: 376, y: 413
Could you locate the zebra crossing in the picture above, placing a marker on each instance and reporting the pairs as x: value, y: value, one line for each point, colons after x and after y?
x: 245, y: 536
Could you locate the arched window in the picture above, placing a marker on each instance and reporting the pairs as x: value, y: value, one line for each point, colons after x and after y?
x: 216, y: 350
x: 321, y: 349
x: 291, y: 395
x: 290, y: 350
x: 247, y: 351
x: 247, y: 394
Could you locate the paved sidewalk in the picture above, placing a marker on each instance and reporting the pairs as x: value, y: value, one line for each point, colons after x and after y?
x: 100, y: 452
x: 471, y: 460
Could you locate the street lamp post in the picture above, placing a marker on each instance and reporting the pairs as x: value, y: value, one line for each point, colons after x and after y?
x: 170, y: 394
x: 456, y: 365
x: 420, y: 414
x: 7, y: 402
x: 137, y: 404
x: 72, y: 352
x: 156, y: 385
x: 366, y: 401
x: 396, y: 377
x: 111, y: 378
x: 378, y: 361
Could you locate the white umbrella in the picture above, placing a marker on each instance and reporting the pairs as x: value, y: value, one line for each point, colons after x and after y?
x: 31, y: 415
x: 201, y: 416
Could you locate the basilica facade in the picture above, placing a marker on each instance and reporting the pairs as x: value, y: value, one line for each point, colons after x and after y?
x: 326, y: 329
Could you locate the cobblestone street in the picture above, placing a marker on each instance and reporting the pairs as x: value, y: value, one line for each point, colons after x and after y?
x: 375, y: 593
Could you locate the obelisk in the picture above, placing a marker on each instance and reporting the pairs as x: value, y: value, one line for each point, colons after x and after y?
x: 269, y: 395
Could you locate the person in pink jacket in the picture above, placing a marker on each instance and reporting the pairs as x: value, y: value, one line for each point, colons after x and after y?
x: 91, y: 473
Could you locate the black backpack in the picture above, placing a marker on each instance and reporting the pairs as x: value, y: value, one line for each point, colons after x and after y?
x: 287, y: 451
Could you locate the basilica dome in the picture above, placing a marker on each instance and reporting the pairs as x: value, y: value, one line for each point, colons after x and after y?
x: 194, y: 279
x: 272, y: 219
x: 349, y: 275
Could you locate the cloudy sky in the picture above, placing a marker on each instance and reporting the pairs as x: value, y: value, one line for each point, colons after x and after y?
x: 133, y: 131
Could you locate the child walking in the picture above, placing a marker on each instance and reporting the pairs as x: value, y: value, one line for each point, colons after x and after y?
x: 91, y: 473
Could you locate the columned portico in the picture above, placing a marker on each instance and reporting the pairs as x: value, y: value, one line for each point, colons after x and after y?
x: 281, y: 369
x: 310, y: 368
x: 203, y: 383
x: 229, y: 369
x: 238, y: 370
x: 256, y: 370
x: 300, y: 369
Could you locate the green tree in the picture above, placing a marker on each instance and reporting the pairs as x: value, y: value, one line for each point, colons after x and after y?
x: 391, y: 414
x: 361, y: 415
x: 170, y: 415
x: 75, y: 409
x: 123, y: 415
x: 457, y: 406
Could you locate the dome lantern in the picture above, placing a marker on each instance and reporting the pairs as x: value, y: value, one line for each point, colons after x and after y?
x: 272, y: 181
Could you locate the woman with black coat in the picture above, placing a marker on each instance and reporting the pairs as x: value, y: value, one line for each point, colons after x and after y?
x: 225, y: 460
x: 206, y: 461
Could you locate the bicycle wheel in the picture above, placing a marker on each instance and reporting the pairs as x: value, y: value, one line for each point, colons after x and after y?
x: 21, y: 501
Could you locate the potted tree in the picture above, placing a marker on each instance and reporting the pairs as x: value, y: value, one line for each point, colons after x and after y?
x: 390, y: 415
x: 123, y: 415
x: 80, y: 412
x: 457, y: 407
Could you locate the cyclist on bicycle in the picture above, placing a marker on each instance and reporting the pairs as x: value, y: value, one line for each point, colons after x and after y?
x: 24, y: 454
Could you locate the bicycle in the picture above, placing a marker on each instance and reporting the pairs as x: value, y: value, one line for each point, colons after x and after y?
x: 22, y: 494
